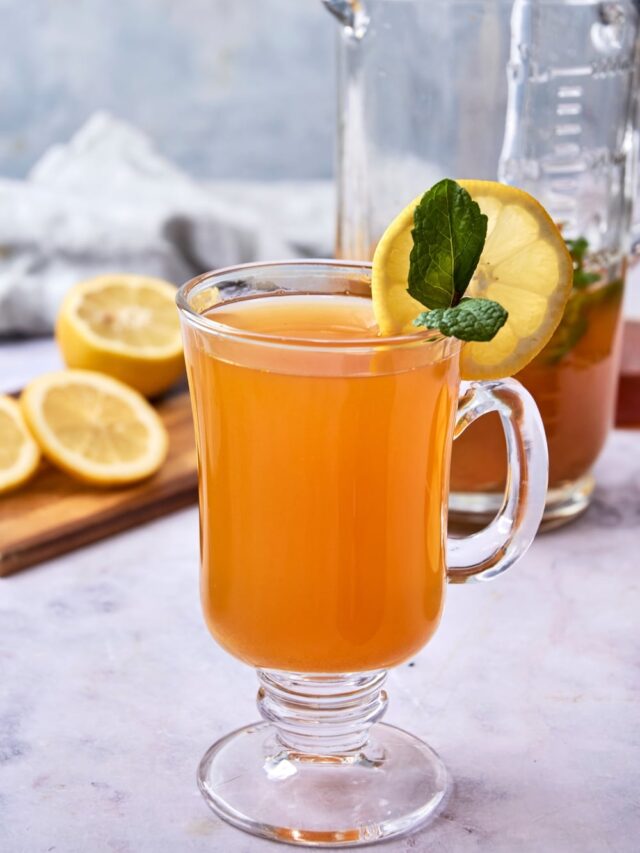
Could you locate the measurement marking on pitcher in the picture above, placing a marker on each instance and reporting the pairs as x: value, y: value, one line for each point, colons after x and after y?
x: 576, y: 71
x: 566, y: 149
x: 563, y: 168
x: 568, y: 129
x: 570, y: 91
x: 564, y: 185
x: 569, y: 109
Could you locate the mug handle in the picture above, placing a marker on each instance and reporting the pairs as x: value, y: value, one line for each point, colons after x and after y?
x: 486, y: 554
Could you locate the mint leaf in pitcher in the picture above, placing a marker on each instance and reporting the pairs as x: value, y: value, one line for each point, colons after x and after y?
x: 578, y: 250
x: 448, y: 237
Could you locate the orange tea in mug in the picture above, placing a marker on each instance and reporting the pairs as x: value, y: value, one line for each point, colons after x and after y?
x: 323, y: 481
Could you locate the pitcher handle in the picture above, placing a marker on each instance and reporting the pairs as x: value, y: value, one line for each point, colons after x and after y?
x: 486, y: 554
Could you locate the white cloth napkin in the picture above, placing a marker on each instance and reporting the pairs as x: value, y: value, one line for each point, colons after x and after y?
x: 107, y: 201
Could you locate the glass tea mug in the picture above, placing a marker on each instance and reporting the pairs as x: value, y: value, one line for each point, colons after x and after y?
x: 541, y: 94
x: 323, y: 468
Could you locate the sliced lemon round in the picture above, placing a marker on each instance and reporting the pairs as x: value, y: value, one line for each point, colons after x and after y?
x: 126, y: 326
x: 19, y: 453
x: 525, y: 266
x: 94, y: 427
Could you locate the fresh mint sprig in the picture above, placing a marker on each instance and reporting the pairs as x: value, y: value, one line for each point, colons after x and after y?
x: 448, y: 237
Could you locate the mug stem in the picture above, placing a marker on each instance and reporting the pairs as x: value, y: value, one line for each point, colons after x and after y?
x: 322, y: 715
x: 320, y: 771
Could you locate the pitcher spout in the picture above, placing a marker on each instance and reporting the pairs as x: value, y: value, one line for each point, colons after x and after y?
x: 352, y: 14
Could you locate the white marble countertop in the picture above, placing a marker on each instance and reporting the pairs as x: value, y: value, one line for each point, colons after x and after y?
x: 111, y: 690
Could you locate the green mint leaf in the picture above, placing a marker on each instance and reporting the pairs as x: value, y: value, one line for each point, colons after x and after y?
x: 470, y: 320
x: 570, y: 330
x: 577, y: 249
x: 584, y: 279
x: 448, y: 237
x: 576, y: 319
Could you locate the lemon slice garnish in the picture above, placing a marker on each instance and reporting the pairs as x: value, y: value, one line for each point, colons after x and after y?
x: 19, y: 453
x: 94, y: 427
x: 525, y: 266
x: 126, y: 326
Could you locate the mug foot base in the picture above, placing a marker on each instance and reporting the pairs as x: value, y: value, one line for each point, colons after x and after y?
x: 471, y: 511
x: 395, y: 785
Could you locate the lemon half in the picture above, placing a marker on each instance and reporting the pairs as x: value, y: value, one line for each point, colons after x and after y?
x: 126, y: 326
x: 525, y: 266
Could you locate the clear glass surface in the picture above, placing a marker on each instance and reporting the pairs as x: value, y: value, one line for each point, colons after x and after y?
x: 300, y: 577
x: 541, y: 94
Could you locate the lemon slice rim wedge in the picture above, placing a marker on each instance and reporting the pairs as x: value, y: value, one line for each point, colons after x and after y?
x: 77, y: 464
x: 75, y: 295
x: 395, y: 308
x: 29, y: 456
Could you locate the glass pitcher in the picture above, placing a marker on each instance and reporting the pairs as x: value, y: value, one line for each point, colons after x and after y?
x: 541, y: 94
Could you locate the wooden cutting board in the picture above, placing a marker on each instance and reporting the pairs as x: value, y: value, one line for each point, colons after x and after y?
x: 54, y: 514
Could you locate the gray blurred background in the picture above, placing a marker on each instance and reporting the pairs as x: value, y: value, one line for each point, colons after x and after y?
x: 226, y: 89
